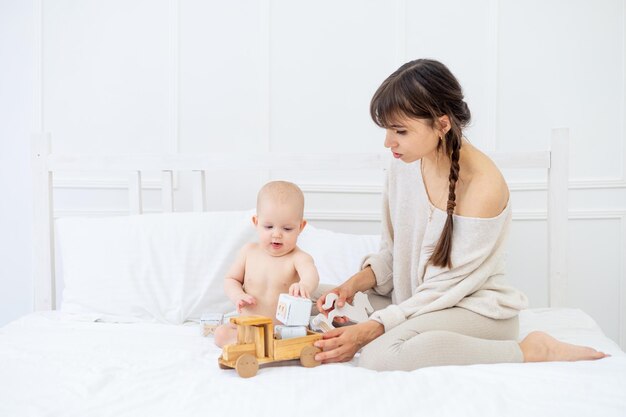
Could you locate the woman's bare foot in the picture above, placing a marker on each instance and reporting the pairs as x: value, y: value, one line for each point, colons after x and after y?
x: 541, y: 347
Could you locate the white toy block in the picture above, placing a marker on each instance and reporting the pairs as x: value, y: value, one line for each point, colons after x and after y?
x: 210, y: 321
x: 289, y: 332
x: 293, y: 311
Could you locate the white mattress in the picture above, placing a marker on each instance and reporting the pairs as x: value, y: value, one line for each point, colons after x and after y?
x: 53, y: 364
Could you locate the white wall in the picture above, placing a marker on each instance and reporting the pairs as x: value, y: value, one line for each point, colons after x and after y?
x: 254, y: 75
x: 16, y: 124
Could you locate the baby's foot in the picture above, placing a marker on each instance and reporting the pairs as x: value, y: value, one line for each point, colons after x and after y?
x: 541, y: 347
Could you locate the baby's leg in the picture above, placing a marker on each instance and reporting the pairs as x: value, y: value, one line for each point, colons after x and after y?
x: 225, y: 334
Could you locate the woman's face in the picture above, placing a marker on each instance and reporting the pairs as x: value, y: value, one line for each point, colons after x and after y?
x: 412, y: 139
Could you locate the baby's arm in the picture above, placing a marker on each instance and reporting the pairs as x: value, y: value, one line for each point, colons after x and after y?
x: 233, y: 282
x: 309, y: 278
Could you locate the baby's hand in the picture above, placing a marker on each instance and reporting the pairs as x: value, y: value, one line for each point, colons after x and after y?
x: 298, y: 290
x: 245, y: 300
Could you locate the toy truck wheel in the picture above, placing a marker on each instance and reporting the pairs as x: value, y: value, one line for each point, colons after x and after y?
x: 222, y: 366
x: 307, y: 356
x: 246, y: 366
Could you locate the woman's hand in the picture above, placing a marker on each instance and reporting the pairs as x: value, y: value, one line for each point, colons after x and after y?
x: 341, y: 344
x: 345, y: 294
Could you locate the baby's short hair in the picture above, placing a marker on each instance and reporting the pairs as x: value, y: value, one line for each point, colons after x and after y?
x: 282, y: 192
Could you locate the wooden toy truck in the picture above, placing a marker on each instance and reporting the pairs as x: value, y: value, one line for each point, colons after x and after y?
x: 256, y: 345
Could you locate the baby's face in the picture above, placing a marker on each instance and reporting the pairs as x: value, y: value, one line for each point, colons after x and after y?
x: 278, y: 226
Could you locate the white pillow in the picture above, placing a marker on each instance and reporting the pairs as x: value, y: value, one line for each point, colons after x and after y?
x: 170, y: 267
x: 337, y: 256
x: 166, y: 267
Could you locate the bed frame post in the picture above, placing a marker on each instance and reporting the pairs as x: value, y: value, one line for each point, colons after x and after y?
x: 199, y: 191
x: 43, y: 226
x: 167, y: 191
x: 558, y: 174
x: 135, y: 203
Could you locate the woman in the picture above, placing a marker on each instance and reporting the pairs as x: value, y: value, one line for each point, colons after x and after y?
x: 440, y: 272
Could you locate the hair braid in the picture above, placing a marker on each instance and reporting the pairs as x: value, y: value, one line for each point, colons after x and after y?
x: 452, y: 145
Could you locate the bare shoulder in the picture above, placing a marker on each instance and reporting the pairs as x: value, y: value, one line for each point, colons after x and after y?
x: 486, y: 193
x: 301, y: 256
x: 248, y: 248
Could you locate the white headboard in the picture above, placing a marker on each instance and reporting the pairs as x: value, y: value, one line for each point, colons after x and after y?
x: 46, y: 164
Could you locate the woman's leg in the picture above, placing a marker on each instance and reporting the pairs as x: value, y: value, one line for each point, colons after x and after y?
x: 454, y: 336
x: 541, y: 347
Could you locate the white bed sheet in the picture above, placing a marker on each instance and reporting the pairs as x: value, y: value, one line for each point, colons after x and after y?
x: 55, y: 364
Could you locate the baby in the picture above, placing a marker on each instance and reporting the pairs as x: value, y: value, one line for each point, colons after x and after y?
x: 275, y: 264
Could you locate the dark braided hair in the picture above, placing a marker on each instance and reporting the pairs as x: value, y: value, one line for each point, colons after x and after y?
x: 426, y: 89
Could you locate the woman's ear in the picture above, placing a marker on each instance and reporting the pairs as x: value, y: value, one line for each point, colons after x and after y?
x: 443, y: 123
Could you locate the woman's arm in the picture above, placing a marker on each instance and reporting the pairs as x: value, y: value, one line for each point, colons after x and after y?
x: 361, y: 281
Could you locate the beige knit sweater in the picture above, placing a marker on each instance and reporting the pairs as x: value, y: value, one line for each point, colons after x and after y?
x: 476, y: 280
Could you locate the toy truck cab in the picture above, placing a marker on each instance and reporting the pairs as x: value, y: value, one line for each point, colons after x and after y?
x: 257, y: 345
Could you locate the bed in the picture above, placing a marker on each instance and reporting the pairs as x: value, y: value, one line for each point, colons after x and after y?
x: 125, y: 340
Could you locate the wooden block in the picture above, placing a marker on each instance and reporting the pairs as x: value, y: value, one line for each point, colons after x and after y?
x: 250, y: 320
x: 241, y: 334
x: 259, y: 341
x: 232, y: 352
x: 248, y: 334
x: 291, y: 348
x: 269, y: 340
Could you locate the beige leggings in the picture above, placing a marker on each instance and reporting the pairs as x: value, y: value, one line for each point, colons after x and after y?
x: 454, y: 336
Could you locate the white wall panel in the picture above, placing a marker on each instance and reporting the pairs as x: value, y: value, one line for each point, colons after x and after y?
x: 594, y: 274
x: 106, y: 80
x: 527, y: 261
x: 561, y: 63
x: 223, y: 84
x: 608, y: 199
x: 16, y: 103
x: 459, y: 34
x: 221, y: 76
x: 327, y: 59
x: 106, y: 77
